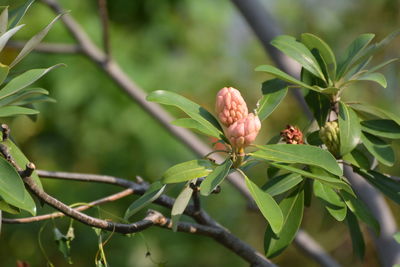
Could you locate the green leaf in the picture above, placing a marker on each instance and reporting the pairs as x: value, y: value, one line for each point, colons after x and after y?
x: 4, y: 69
x: 383, y: 183
x: 284, y: 76
x: 9, y: 111
x: 357, y: 158
x: 12, y: 189
x: 267, y: 205
x: 292, y: 208
x: 282, y: 183
x: 357, y: 239
x: 381, y: 150
x: 299, y: 53
x: 397, y: 237
x: 383, y: 128
x: 188, y: 170
x: 314, y: 139
x: 4, y: 206
x: 191, y: 124
x: 3, y: 20
x: 332, y: 201
x: 273, y: 93
x: 7, y: 35
x: 180, y: 204
x: 303, y: 154
x: 361, y: 211
x: 325, y: 178
x: 155, y: 190
x: 377, y: 77
x: 380, y: 113
x: 33, y: 42
x: 22, y: 95
x: 352, y: 53
x: 314, y: 42
x: 320, y: 106
x: 215, y: 177
x: 384, y: 64
x: 19, y: 13
x: 349, y: 128
x: 192, y: 109
x: 33, y: 99
x: 24, y: 80
x: 64, y: 242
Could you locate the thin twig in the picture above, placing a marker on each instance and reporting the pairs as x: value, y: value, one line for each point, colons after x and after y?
x: 105, y: 26
x: 48, y: 47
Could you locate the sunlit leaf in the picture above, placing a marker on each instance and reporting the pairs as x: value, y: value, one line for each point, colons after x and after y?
x: 180, y: 204
x: 350, y: 130
x: 383, y: 128
x: 377, y: 112
x: 215, y: 177
x: 17, y: 14
x: 332, y: 201
x: 7, y: 35
x: 9, y: 111
x: 188, y: 170
x: 282, y: 183
x: 273, y: 93
x: 381, y: 150
x: 377, y: 77
x: 357, y: 158
x: 4, y: 69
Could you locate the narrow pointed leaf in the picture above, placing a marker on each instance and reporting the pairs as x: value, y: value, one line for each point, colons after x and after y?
x: 357, y: 158
x: 4, y: 206
x: 282, y: 183
x: 188, y: 170
x: 9, y: 111
x: 381, y: 150
x: 191, y: 124
x: 3, y: 20
x: 314, y: 139
x: 361, y: 211
x: 350, y: 130
x: 357, y: 238
x: 17, y: 14
x: 4, y: 69
x: 304, y: 154
x: 33, y: 42
x: 377, y: 77
x: 215, y: 177
x: 180, y: 205
x: 284, y: 76
x: 24, y: 80
x: 34, y: 99
x: 192, y: 109
x: 7, y: 35
x: 332, y: 201
x: 299, y: 53
x: 292, y: 208
x: 22, y: 95
x: 273, y: 93
x: 382, y: 128
x: 155, y: 190
x: 319, y: 105
x: 384, y: 64
x: 267, y: 205
x: 377, y: 112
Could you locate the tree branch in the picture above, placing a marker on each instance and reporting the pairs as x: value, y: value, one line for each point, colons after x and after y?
x: 105, y: 26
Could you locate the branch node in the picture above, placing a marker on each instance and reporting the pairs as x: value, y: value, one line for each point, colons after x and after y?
x: 30, y: 168
x: 5, y: 129
x: 139, y: 179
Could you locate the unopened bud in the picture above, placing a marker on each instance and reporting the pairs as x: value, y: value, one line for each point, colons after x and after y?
x: 244, y: 131
x: 230, y: 106
x: 292, y: 135
x: 329, y: 134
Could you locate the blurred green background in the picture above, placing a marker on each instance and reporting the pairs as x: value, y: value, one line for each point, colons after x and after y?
x: 193, y: 48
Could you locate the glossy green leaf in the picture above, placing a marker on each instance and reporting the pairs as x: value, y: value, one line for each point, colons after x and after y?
x: 314, y: 42
x: 361, y: 211
x: 381, y: 150
x: 314, y: 139
x: 357, y: 158
x: 215, y: 177
x: 9, y: 111
x: 33, y: 99
x: 64, y: 242
x: 350, y: 130
x: 180, y: 204
x: 304, y: 154
x: 299, y: 52
x: 352, y: 53
x: 384, y: 64
x: 335, y: 182
x: 292, y: 208
x: 17, y: 14
x: 282, y: 183
x: 12, y: 189
x: 192, y: 109
x: 7, y: 35
x: 153, y: 192
x: 188, y: 170
x: 377, y: 77
x: 383, y: 128
x: 377, y: 112
x: 357, y: 239
x: 11, y: 99
x: 191, y: 124
x: 4, y: 206
x: 332, y: 201
x: 385, y: 184
x: 267, y: 205
x: 33, y: 42
x: 319, y: 105
x: 24, y: 80
x: 4, y: 69
x: 273, y: 93
x: 284, y: 76
x: 3, y: 20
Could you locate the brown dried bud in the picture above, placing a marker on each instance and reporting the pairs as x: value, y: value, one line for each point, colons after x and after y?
x: 292, y: 135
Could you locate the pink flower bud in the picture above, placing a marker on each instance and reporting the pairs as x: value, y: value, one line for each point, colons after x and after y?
x: 230, y: 106
x: 244, y: 131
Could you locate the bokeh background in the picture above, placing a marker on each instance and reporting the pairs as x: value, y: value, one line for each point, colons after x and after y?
x: 193, y: 48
